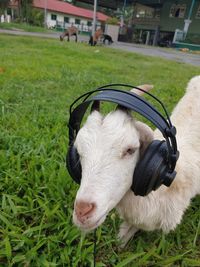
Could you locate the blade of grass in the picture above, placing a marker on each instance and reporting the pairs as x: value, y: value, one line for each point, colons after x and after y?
x: 129, y: 259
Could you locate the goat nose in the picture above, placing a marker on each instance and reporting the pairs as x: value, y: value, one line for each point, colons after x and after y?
x: 83, y: 208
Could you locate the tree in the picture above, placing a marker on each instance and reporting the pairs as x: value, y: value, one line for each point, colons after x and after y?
x: 4, y: 4
x: 24, y: 9
x: 36, y: 17
x: 125, y: 13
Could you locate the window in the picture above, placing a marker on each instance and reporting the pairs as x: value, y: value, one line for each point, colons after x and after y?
x: 66, y: 19
x: 77, y: 21
x: 53, y: 17
x: 157, y: 13
x: 198, y: 13
x: 177, y: 11
x: 9, y: 11
x: 143, y: 11
x: 89, y: 23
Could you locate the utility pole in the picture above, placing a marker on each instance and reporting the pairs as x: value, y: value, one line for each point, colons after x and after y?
x: 94, y: 17
x: 188, y: 20
x: 45, y: 13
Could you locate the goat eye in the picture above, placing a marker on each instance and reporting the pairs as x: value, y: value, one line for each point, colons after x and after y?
x: 130, y: 151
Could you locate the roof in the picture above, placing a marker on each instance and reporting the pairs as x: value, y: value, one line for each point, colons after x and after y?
x: 66, y: 8
x: 114, y: 4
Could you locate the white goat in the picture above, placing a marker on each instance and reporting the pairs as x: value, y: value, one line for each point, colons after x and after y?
x: 109, y: 148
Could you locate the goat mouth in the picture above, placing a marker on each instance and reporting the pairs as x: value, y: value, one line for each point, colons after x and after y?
x: 89, y: 226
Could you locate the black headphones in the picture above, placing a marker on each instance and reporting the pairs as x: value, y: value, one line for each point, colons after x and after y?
x: 157, y: 165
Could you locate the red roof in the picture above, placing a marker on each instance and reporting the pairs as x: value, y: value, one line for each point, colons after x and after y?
x: 66, y: 8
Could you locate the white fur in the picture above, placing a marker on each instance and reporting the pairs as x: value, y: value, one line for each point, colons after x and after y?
x: 107, y: 168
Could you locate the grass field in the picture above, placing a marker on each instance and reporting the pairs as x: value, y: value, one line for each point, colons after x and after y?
x: 23, y: 27
x: 39, y: 78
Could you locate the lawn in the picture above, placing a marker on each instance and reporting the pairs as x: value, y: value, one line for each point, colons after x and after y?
x: 23, y: 27
x: 39, y: 78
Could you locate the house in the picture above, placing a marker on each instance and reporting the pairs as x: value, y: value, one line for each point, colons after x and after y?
x: 158, y: 21
x: 62, y: 14
x: 65, y: 14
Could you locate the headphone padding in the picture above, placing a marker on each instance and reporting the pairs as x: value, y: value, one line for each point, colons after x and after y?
x: 73, y: 164
x: 148, y: 174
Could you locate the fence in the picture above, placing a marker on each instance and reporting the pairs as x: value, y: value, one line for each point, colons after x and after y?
x: 61, y: 26
x: 178, y: 36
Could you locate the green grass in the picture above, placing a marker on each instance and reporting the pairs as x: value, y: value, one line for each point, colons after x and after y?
x: 39, y: 78
x: 23, y: 27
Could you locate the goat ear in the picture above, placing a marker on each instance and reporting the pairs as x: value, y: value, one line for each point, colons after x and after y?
x: 95, y: 106
x: 145, y: 87
x: 119, y: 107
x: 146, y: 135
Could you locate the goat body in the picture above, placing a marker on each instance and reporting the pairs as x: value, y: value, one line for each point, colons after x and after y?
x: 104, y: 145
x: 93, y: 39
x: 69, y: 32
x: 107, y: 38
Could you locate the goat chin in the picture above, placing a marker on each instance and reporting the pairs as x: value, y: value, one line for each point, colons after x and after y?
x: 88, y: 225
x: 161, y: 209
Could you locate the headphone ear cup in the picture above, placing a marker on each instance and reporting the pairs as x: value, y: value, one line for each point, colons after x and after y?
x: 151, y: 170
x: 73, y: 164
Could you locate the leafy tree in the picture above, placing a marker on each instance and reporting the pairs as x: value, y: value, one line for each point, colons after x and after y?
x: 36, y: 17
x: 24, y: 9
x: 4, y: 4
x: 126, y: 13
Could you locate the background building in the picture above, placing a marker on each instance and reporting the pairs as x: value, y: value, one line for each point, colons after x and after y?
x: 157, y: 22
x: 61, y: 14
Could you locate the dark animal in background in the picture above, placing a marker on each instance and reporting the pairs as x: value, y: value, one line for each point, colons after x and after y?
x: 91, y: 42
x: 107, y: 38
x: 93, y: 39
x: 69, y: 32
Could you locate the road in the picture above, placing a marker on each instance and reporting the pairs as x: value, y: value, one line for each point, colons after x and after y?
x: 167, y: 53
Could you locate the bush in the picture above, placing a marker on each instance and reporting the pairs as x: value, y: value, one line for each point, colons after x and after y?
x: 36, y: 17
x: 193, y: 39
x: 17, y: 20
x: 113, y: 21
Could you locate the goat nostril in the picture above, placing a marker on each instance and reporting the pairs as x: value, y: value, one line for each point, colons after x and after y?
x: 83, y: 208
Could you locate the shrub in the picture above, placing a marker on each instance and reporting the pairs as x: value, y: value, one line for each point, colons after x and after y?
x: 193, y: 38
x: 36, y: 17
x: 113, y: 21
